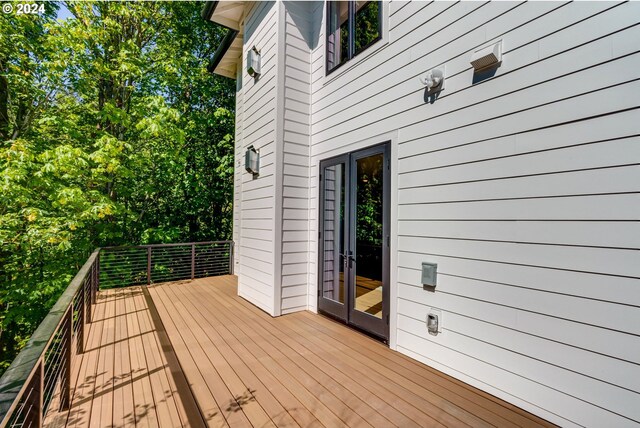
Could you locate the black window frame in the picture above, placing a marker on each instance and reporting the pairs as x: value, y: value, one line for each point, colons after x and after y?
x: 351, y: 24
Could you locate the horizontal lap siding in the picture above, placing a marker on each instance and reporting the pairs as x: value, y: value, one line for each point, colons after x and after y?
x: 254, y: 224
x: 523, y: 188
x: 295, y: 167
x: 237, y: 176
x: 317, y: 83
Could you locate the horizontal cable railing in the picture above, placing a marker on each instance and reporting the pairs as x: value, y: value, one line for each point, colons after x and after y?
x: 39, y: 379
x: 148, y: 264
x: 40, y: 376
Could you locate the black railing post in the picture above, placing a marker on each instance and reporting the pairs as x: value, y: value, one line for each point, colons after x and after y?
x: 82, y: 318
x: 34, y: 402
x: 97, y: 265
x: 93, y: 288
x: 96, y: 280
x: 148, y: 265
x: 86, y: 291
x: 193, y: 261
x: 65, y: 387
x: 231, y: 248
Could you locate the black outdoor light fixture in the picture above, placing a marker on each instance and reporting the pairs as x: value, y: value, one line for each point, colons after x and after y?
x: 252, y: 161
x: 253, y: 62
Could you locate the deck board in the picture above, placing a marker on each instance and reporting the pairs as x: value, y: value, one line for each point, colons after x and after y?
x: 83, y: 393
x: 128, y: 375
x: 122, y: 388
x: 144, y: 407
x: 304, y: 343
x: 336, y: 376
x: 349, y: 408
x: 102, y: 404
x: 449, y: 388
x: 197, y: 378
x: 298, y: 371
x: 194, y: 354
x: 243, y: 374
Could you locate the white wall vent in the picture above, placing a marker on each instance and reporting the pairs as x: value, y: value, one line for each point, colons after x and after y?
x: 487, y: 57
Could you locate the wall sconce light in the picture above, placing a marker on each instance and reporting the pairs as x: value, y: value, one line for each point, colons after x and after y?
x: 434, y: 80
x: 252, y: 161
x: 253, y: 62
x: 487, y: 57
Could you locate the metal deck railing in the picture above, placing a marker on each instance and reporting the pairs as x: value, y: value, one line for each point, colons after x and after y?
x: 39, y: 379
x: 148, y: 264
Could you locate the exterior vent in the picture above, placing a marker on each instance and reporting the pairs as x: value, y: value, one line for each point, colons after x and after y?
x: 487, y: 57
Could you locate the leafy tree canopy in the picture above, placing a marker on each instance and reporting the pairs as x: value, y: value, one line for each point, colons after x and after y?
x: 112, y: 132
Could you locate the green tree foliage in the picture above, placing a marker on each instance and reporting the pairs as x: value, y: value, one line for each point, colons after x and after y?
x: 367, y: 25
x: 369, y: 216
x: 111, y: 132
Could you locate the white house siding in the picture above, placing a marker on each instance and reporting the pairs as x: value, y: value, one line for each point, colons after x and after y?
x: 523, y: 188
x: 237, y: 174
x: 254, y: 227
x: 296, y: 102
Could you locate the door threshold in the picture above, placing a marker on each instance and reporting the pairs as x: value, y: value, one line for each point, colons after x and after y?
x: 342, y: 322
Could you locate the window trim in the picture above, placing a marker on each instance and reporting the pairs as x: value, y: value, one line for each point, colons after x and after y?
x: 351, y: 18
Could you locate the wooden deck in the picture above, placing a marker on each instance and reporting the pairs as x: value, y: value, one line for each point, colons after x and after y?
x: 128, y: 375
x: 246, y: 369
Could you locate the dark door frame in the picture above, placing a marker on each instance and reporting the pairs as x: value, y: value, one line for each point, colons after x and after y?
x: 378, y: 327
x: 328, y: 306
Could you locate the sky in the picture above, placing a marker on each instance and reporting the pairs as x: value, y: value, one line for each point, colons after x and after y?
x: 63, y: 12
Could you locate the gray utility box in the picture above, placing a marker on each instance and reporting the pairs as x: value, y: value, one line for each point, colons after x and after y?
x: 429, y: 274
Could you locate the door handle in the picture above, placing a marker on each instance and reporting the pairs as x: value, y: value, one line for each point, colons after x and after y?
x: 348, y: 258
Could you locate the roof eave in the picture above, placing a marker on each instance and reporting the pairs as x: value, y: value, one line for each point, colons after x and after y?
x: 208, y: 9
x: 227, y: 18
x: 221, y: 51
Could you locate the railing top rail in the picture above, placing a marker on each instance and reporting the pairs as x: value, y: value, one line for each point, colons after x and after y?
x: 18, y: 375
x: 181, y: 244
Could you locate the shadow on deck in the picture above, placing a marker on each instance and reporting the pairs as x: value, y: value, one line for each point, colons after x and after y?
x: 192, y: 353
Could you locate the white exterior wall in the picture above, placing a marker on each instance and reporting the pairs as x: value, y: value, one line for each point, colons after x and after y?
x: 254, y: 223
x: 237, y: 175
x: 271, y: 222
x: 523, y: 188
x: 519, y: 187
x: 297, y: 40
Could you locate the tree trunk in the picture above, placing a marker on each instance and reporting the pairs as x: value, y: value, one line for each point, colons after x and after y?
x: 4, y: 105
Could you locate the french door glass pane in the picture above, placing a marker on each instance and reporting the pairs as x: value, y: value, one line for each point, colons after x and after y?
x: 369, y: 234
x: 333, y: 286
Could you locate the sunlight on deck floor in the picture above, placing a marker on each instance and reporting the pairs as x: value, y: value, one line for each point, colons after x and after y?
x: 128, y: 376
x: 245, y: 368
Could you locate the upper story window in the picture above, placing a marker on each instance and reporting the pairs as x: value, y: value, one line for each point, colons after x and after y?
x: 352, y: 26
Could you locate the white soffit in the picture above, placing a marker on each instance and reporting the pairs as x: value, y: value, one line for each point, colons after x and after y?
x: 227, y: 65
x: 230, y: 14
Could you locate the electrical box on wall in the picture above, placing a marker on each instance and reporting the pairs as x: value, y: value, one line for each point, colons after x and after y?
x: 252, y: 161
x: 429, y: 274
x: 434, y: 321
x: 253, y: 62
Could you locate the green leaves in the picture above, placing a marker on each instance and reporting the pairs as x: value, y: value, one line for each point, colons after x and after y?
x: 111, y: 132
